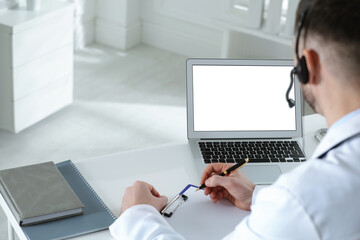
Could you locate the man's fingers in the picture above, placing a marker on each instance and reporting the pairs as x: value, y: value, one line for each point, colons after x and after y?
x: 154, y: 191
x: 164, y: 199
x: 216, y: 196
x: 216, y: 181
x: 211, y: 169
x: 161, y: 202
x: 144, y: 185
x: 208, y: 171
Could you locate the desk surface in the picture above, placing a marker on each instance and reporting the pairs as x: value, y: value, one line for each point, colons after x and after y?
x: 171, y: 170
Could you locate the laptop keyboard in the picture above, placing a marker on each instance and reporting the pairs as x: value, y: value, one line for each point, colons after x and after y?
x: 257, y: 152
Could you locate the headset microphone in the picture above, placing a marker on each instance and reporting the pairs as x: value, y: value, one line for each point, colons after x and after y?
x: 290, y: 101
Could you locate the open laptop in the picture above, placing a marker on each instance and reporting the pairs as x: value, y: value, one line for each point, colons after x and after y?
x: 236, y: 109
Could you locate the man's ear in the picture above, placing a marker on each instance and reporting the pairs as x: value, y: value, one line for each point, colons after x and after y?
x: 313, y: 65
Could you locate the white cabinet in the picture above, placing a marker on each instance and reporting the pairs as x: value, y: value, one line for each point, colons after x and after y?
x: 36, y: 63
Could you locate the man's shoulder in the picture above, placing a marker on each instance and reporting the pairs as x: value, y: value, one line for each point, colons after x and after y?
x: 326, y: 185
x: 340, y: 165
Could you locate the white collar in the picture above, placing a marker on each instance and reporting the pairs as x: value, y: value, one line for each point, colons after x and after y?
x: 337, y: 135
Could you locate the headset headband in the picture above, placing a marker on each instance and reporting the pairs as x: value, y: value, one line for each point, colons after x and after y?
x: 298, y: 33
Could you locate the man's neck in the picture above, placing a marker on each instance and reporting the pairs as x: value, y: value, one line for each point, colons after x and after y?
x: 340, y: 107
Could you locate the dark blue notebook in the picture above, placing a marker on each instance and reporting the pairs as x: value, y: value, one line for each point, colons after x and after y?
x: 96, y: 215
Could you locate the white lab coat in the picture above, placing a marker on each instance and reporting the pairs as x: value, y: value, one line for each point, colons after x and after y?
x: 318, y: 200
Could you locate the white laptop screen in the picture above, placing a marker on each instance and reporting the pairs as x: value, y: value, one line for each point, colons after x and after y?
x: 241, y: 98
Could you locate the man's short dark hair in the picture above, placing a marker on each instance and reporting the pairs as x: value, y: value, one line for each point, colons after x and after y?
x: 334, y: 21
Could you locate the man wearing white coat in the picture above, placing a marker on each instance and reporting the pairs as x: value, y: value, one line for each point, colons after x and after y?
x: 321, y: 198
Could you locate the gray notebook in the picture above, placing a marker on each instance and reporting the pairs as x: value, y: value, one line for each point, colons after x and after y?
x: 96, y: 215
x: 38, y: 193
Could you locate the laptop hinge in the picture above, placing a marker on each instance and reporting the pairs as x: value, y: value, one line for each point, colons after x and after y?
x: 241, y: 138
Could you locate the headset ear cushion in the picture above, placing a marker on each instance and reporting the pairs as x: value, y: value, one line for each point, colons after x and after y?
x: 302, y: 71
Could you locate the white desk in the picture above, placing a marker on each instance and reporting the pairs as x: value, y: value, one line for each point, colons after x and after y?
x: 110, y: 175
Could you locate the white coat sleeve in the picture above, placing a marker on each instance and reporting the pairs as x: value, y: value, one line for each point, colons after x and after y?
x: 143, y: 222
x: 275, y: 214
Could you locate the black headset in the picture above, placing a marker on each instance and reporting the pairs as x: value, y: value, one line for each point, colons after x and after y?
x: 300, y: 69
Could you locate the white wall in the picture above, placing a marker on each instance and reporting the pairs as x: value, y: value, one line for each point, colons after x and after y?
x: 181, y: 35
x: 201, y: 28
x: 84, y: 22
x: 118, y: 23
x: 212, y: 28
x: 243, y: 45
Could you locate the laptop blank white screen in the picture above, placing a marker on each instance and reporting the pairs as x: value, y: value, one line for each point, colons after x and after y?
x: 242, y: 98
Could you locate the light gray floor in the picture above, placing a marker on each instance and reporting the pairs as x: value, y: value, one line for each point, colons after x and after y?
x: 122, y: 101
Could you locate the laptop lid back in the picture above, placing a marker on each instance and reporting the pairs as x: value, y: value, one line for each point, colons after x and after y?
x: 229, y: 98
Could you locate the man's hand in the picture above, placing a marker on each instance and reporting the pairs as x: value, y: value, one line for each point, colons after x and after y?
x: 236, y: 187
x: 142, y: 193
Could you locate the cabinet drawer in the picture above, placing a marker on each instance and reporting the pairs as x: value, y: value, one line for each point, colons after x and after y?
x: 41, y: 72
x: 42, y: 39
x: 37, y: 106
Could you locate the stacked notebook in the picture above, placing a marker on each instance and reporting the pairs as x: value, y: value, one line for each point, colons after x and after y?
x: 41, y: 193
x: 38, y: 193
